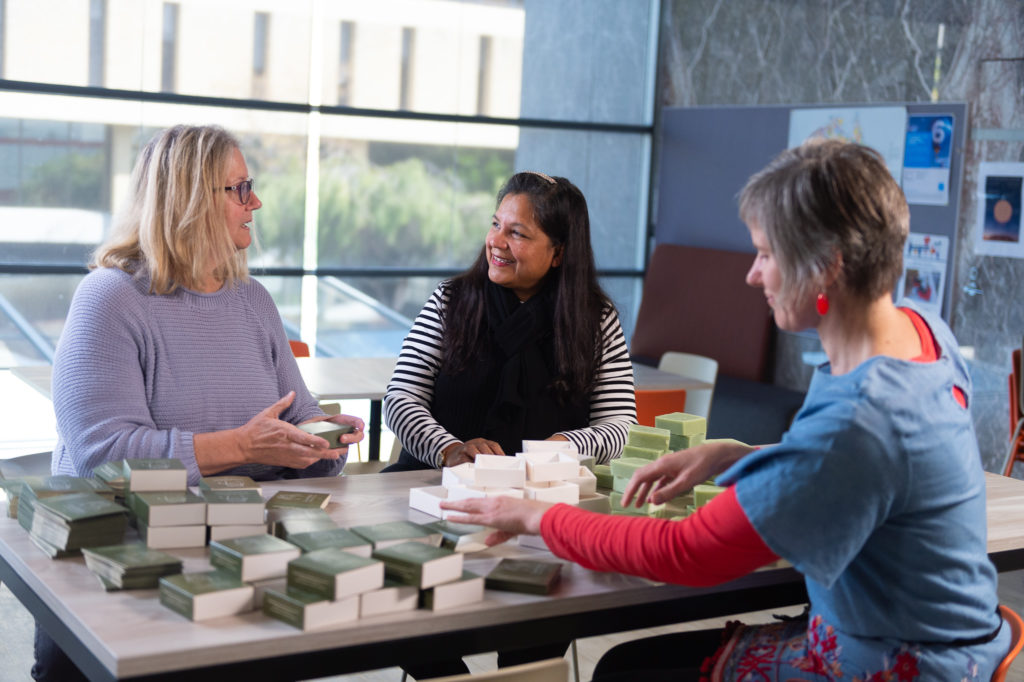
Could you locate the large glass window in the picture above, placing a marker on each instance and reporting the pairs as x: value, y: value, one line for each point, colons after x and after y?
x: 378, y: 134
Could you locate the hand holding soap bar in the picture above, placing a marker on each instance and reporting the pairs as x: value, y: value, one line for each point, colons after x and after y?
x: 329, y: 431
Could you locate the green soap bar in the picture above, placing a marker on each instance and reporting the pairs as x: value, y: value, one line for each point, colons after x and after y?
x: 671, y: 509
x: 682, y: 424
x: 619, y: 484
x: 635, y: 451
x: 677, y: 442
x: 329, y: 431
x: 615, y: 500
x: 702, y: 494
x: 648, y: 437
x: 683, y: 501
x: 625, y: 467
x: 603, y: 473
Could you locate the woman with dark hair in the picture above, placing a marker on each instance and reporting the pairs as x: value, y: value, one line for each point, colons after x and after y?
x: 875, y: 494
x: 523, y: 345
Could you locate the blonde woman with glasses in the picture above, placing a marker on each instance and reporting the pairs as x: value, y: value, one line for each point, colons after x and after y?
x: 171, y: 350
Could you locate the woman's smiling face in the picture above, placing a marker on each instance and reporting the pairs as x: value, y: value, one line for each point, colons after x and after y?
x: 519, y: 253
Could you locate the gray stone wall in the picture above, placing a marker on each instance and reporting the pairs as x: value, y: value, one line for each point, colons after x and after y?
x: 757, y: 52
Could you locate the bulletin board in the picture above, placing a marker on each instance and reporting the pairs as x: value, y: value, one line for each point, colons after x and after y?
x: 706, y: 155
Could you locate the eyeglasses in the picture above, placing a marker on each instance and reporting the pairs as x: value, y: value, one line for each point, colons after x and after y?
x: 244, y: 189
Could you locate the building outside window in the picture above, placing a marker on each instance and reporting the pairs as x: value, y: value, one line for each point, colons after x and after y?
x: 405, y: 81
x: 168, y: 47
x: 97, y: 41
x: 452, y: 98
x: 345, y: 62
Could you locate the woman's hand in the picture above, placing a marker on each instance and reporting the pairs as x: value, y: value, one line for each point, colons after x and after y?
x: 266, y: 439
x: 460, y: 453
x: 509, y: 516
x: 671, y: 474
x: 353, y: 436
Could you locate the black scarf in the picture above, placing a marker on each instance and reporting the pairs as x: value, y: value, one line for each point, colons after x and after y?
x: 506, y: 393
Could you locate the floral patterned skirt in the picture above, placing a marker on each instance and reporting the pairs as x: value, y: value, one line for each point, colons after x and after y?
x: 802, y: 650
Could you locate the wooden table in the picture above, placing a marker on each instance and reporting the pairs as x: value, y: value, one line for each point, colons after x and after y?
x: 367, y: 379
x: 130, y: 635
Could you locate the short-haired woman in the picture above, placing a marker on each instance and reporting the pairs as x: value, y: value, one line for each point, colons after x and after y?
x: 876, y: 493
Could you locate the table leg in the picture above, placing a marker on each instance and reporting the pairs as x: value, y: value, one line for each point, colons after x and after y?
x: 375, y: 426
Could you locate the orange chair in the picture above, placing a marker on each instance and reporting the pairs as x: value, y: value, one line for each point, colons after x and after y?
x: 1016, y: 642
x: 1015, y: 453
x: 299, y: 348
x: 650, y: 404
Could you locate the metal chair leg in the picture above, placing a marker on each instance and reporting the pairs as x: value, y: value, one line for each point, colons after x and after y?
x: 575, y: 662
x: 405, y: 676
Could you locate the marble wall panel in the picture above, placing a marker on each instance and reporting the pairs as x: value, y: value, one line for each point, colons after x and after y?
x: 757, y: 52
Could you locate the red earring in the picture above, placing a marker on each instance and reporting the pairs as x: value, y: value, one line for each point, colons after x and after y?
x: 822, y: 304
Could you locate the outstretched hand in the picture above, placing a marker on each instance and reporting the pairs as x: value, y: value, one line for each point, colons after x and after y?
x: 671, y: 474
x: 266, y: 439
x: 509, y: 516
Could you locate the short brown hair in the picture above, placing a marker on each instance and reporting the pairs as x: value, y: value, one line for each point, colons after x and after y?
x: 173, y: 223
x: 827, y: 198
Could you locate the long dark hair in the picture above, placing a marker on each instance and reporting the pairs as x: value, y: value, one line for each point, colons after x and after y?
x: 561, y: 212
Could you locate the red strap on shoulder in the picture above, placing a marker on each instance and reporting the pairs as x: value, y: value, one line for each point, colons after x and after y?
x: 930, y: 349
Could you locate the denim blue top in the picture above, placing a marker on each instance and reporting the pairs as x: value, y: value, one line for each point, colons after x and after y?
x: 876, y: 495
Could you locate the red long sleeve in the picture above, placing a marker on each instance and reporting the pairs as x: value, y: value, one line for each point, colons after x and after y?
x: 712, y: 546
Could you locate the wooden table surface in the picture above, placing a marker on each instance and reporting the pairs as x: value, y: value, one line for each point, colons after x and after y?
x: 129, y: 634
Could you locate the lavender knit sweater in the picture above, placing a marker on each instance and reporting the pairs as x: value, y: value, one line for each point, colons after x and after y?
x: 137, y: 374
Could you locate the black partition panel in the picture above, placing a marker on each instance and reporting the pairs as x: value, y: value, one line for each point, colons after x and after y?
x: 707, y: 154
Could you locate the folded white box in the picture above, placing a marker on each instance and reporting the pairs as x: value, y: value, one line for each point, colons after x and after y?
x: 549, y: 446
x: 428, y: 500
x: 469, y: 492
x: 595, y: 502
x: 586, y: 480
x: 549, y: 466
x: 498, y: 471
x: 552, y: 491
x: 463, y: 474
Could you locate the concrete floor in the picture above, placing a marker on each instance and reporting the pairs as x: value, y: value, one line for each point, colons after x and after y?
x: 16, y: 628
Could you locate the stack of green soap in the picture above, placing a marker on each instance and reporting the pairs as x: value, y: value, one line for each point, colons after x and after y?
x: 704, y: 493
x: 642, y: 453
x: 686, y: 430
x: 625, y: 467
x: 603, y: 473
x: 678, y: 507
x: 615, y: 500
x: 622, y: 470
x: 649, y: 437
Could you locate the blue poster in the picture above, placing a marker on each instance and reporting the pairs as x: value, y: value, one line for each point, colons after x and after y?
x: 926, y: 159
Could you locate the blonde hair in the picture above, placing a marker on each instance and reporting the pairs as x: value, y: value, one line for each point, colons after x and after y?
x: 173, y: 224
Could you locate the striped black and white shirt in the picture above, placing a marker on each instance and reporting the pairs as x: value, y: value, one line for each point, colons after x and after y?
x: 411, y: 390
